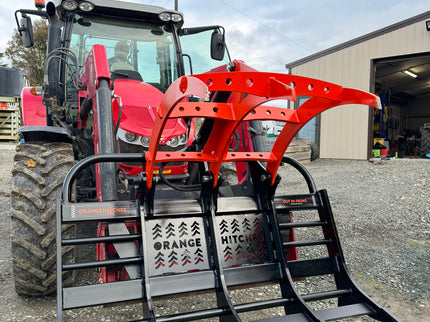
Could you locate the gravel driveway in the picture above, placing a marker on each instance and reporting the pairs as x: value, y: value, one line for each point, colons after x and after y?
x: 382, y: 210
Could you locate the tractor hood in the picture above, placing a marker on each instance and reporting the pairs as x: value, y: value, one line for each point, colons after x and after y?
x: 139, y: 109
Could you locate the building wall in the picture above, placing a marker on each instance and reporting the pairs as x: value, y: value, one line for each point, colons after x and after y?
x: 344, y: 130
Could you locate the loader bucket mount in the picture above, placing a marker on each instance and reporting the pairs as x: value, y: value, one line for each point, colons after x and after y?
x: 219, y: 238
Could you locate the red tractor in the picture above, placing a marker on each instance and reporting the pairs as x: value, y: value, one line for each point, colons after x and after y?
x: 111, y: 140
x: 138, y: 50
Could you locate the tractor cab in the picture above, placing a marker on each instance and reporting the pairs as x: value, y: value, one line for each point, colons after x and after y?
x: 148, y: 40
x: 144, y: 56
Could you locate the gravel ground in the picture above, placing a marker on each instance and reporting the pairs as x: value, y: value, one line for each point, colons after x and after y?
x: 382, y: 211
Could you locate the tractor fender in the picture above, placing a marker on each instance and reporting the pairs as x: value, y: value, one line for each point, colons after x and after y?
x: 45, y: 134
x: 33, y: 112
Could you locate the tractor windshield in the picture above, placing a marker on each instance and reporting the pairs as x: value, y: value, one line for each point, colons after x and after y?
x: 144, y: 47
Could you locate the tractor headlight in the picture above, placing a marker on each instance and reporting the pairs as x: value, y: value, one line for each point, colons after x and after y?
x: 73, y: 5
x: 167, y: 16
x: 183, y: 139
x: 135, y: 139
x: 130, y: 137
x: 145, y: 141
x: 69, y: 5
x: 86, y: 6
x: 176, y: 17
x: 177, y: 140
x: 173, y: 142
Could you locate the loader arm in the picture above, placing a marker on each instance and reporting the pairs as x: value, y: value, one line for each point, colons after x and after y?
x: 96, y: 78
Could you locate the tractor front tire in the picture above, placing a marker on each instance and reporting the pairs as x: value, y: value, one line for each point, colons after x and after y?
x: 37, y: 178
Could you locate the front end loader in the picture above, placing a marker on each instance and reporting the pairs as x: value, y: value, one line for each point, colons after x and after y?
x: 156, y: 234
x: 134, y: 53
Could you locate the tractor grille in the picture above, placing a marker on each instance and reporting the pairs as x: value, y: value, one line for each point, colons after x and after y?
x: 132, y: 148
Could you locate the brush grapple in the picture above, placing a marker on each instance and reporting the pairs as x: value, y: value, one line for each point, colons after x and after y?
x: 176, y: 240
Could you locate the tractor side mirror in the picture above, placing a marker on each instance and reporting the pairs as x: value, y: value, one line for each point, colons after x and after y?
x: 217, y: 45
x: 26, y: 31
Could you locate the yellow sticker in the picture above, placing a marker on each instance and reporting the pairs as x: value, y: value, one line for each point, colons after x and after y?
x: 164, y: 171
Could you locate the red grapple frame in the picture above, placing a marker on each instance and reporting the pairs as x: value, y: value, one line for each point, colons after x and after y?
x: 250, y: 90
x: 218, y: 239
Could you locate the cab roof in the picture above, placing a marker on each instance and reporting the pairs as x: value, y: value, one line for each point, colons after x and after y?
x: 129, y: 10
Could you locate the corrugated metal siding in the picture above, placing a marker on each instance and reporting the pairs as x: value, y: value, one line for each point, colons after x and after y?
x: 344, y: 130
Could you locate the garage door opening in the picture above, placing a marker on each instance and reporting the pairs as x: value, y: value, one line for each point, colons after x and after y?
x: 403, y: 83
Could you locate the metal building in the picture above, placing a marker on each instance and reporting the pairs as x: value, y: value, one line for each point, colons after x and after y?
x: 393, y: 62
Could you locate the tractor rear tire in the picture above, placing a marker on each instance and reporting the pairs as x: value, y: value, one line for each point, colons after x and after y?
x: 37, y: 179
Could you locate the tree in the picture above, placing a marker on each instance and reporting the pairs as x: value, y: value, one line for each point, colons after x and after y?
x: 30, y: 60
x: 1, y: 58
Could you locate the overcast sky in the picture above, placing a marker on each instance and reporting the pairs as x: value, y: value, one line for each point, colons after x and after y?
x: 269, y: 34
